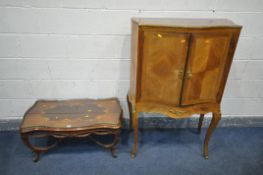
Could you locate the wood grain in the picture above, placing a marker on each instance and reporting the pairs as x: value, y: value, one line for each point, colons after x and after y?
x: 180, y: 68
x: 206, y: 62
x: 164, y: 57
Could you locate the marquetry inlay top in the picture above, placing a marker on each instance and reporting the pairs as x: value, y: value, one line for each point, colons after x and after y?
x: 66, y: 114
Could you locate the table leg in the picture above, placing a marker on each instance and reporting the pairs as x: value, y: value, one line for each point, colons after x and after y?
x: 110, y: 146
x: 135, y: 130
x: 215, y: 120
x: 201, y: 118
x: 116, y: 141
x: 35, y: 149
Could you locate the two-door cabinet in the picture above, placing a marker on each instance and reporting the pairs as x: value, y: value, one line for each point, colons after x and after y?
x: 179, y: 68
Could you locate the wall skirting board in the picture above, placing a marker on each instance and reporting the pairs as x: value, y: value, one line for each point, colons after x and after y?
x: 165, y: 122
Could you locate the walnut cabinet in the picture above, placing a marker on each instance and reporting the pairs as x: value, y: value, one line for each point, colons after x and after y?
x: 179, y: 68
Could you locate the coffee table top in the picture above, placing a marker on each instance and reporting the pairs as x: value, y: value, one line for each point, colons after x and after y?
x: 70, y: 115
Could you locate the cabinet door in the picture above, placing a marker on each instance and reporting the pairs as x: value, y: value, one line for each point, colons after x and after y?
x: 205, y: 66
x: 162, y: 62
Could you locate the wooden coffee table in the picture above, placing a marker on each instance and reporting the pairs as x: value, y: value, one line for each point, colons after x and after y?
x: 72, y: 118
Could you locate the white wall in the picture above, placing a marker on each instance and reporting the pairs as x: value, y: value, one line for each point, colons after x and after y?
x: 81, y: 48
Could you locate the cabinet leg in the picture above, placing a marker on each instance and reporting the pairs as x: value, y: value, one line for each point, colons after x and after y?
x: 130, y: 113
x: 215, y: 119
x: 200, y: 123
x: 135, y: 130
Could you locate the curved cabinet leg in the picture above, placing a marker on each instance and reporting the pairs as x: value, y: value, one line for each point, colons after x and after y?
x: 200, y: 123
x: 215, y: 119
x: 130, y: 113
x: 135, y: 130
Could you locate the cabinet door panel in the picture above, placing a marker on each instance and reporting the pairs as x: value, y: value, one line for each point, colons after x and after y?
x: 205, y: 65
x: 163, y: 62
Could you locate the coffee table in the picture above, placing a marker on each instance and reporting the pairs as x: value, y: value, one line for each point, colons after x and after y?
x: 61, y: 119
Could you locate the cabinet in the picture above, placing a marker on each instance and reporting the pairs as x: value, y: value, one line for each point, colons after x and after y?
x: 179, y: 68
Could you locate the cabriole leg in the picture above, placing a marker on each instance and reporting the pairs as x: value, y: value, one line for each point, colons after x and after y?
x: 116, y: 141
x: 215, y: 120
x: 35, y: 149
x: 130, y: 113
x: 111, y: 146
x: 200, y: 123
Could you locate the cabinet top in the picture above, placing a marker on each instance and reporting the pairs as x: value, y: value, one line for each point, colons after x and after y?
x: 184, y: 22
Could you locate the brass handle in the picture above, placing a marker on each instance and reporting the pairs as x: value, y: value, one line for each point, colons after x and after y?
x: 176, y: 112
x: 189, y: 73
x: 181, y: 74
